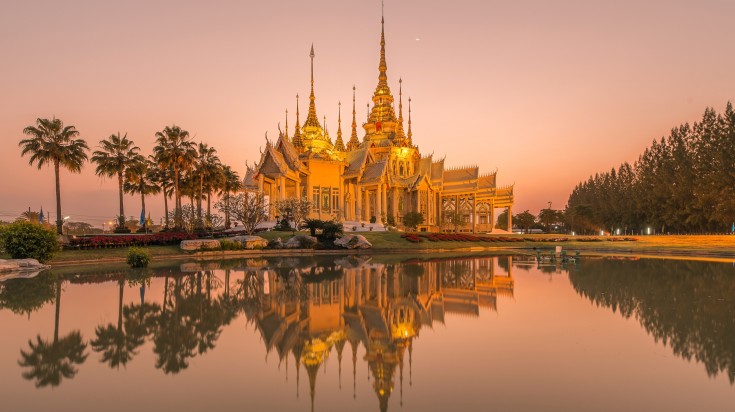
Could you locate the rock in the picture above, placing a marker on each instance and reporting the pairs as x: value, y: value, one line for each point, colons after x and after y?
x: 20, y: 265
x: 276, y: 243
x: 301, y: 242
x: 249, y: 242
x: 199, y: 244
x: 353, y: 242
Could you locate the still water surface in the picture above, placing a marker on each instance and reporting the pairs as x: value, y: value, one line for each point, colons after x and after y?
x: 480, y: 332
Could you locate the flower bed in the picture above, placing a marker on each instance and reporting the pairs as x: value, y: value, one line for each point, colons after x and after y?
x: 115, y: 241
x: 463, y: 237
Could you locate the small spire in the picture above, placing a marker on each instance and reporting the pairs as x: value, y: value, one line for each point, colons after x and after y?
x: 286, y: 131
x: 400, y: 134
x: 339, y: 144
x: 296, y: 140
x: 410, y: 134
x: 326, y: 132
x: 354, y: 142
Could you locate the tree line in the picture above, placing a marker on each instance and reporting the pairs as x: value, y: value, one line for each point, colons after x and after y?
x: 682, y: 183
x: 178, y: 167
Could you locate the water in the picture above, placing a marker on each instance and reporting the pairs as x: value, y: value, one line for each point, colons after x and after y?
x: 372, y: 333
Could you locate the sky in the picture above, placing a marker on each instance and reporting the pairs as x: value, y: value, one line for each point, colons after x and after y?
x: 547, y: 93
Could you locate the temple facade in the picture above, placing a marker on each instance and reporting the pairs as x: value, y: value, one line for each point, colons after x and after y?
x: 379, y: 178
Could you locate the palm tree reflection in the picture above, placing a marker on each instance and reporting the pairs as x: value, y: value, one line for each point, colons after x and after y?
x: 49, y: 363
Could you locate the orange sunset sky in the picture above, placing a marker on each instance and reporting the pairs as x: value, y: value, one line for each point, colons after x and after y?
x: 546, y: 92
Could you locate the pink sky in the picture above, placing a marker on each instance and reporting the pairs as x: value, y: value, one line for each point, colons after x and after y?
x: 546, y: 92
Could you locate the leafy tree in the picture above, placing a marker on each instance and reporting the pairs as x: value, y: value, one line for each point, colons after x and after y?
x: 454, y: 220
x: 525, y: 220
x: 502, y: 220
x: 294, y: 210
x: 249, y: 209
x: 117, y: 154
x: 52, y: 143
x: 23, y: 240
x: 412, y: 220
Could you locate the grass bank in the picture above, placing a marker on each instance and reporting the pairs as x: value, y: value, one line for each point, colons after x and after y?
x: 391, y: 242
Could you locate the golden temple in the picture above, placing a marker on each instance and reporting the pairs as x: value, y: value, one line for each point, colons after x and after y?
x: 309, y: 309
x: 379, y: 178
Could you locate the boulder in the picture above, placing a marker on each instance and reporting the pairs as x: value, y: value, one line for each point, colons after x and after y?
x: 249, y: 242
x: 353, y: 242
x: 276, y: 243
x: 20, y: 265
x: 301, y: 242
x: 199, y: 244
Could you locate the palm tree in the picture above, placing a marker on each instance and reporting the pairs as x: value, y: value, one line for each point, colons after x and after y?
x: 117, y: 154
x: 205, y: 167
x: 230, y: 183
x: 175, y: 149
x: 50, y: 362
x: 163, y: 177
x: 140, y: 177
x: 116, y: 344
x: 53, y: 143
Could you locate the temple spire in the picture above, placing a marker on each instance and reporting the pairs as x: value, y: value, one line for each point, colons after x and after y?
x: 326, y: 132
x: 296, y: 140
x: 311, y: 118
x: 354, y: 142
x: 410, y: 134
x: 339, y: 144
x: 400, y: 134
x: 286, y: 131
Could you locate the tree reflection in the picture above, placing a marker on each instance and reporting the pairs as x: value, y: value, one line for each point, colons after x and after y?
x: 686, y: 305
x: 24, y: 296
x: 49, y: 363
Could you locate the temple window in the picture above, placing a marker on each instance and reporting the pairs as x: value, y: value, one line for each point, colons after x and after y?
x: 325, y: 199
x: 315, y: 199
x: 335, y: 199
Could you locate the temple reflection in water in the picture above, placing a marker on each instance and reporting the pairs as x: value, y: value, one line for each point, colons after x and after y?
x: 380, y: 306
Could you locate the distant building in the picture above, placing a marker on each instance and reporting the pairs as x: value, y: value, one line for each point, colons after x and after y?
x: 383, y: 175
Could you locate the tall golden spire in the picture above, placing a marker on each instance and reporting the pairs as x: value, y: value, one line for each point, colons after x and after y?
x: 339, y: 144
x: 354, y: 142
x: 296, y: 140
x: 382, y: 98
x: 311, y: 119
x: 410, y: 135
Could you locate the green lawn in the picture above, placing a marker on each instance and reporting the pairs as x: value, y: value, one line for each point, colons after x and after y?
x: 705, y: 246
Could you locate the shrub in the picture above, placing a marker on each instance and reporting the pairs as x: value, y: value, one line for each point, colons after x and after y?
x: 331, y: 229
x: 373, y: 219
x: 412, y: 220
x: 23, y: 240
x: 230, y: 245
x: 138, y: 257
x: 312, y: 225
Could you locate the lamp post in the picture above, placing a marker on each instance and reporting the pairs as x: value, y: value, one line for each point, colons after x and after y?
x: 66, y: 218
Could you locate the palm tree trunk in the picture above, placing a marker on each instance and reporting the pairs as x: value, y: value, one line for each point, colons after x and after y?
x: 59, y: 220
x: 227, y: 209
x: 122, y: 209
x: 58, y: 310
x: 199, y: 199
x: 145, y: 219
x: 120, y: 306
x: 165, y: 206
x: 209, y: 203
x: 177, y: 196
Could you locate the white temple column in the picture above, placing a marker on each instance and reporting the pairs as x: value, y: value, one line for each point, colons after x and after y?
x: 510, y: 219
x: 384, y: 200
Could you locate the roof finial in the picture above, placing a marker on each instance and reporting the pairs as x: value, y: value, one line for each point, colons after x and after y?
x: 286, y: 131
x: 339, y: 144
x: 399, y: 130
x: 296, y: 140
x: 353, y: 143
x: 410, y: 134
